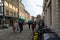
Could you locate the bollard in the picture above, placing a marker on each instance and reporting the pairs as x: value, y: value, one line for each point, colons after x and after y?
x: 35, y: 37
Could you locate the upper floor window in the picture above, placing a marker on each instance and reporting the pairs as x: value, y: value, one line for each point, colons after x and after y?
x: 1, y: 0
x: 15, y: 14
x: 7, y: 12
x: 1, y: 9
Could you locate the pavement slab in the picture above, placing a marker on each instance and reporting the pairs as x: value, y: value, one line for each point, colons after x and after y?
x: 9, y: 34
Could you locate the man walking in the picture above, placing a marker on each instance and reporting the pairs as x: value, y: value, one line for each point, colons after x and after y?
x: 29, y: 24
x: 20, y: 25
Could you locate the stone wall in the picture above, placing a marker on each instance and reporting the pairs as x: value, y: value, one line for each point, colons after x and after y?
x: 52, y: 15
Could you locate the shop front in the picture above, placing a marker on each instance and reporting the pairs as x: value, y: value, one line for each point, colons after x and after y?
x: 10, y: 20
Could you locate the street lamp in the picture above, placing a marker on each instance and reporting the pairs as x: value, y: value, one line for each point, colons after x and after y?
x: 39, y: 6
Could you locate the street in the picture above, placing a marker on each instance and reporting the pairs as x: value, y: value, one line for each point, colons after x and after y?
x: 9, y: 34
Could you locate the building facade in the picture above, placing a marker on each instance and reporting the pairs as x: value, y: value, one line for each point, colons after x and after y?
x: 51, y: 10
x: 11, y: 8
x: 21, y: 9
x: 22, y: 12
x: 9, y: 11
x: 27, y: 15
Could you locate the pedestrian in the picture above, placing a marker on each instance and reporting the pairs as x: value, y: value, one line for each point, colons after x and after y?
x: 16, y: 25
x: 40, y: 24
x: 29, y: 24
x: 33, y: 26
x: 13, y: 25
x: 17, y: 28
x: 35, y: 23
x: 20, y: 25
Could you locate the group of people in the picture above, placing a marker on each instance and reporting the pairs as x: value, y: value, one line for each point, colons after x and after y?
x: 18, y: 26
x: 32, y: 25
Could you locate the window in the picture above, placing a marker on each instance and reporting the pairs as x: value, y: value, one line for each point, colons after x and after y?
x: 11, y: 13
x: 14, y: 14
x: 50, y: 14
x: 1, y: 9
x: 7, y: 12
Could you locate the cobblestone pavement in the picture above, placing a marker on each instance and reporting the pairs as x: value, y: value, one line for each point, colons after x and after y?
x: 8, y: 34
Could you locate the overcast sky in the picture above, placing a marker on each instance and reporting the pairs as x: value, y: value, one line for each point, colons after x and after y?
x: 32, y: 8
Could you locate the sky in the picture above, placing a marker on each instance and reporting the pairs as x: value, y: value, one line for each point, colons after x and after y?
x: 33, y: 6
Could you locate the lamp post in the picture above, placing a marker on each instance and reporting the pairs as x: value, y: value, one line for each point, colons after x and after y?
x: 39, y: 6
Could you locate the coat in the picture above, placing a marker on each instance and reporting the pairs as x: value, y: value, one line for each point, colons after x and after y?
x: 20, y: 24
x: 33, y: 25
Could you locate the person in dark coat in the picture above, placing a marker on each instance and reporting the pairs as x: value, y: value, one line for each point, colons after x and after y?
x: 20, y: 25
x: 40, y: 24
x: 29, y: 23
x: 35, y: 23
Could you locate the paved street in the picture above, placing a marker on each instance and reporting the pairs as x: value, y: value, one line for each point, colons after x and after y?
x: 8, y: 34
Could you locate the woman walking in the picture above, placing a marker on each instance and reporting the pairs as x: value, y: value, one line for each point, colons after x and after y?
x: 33, y: 26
